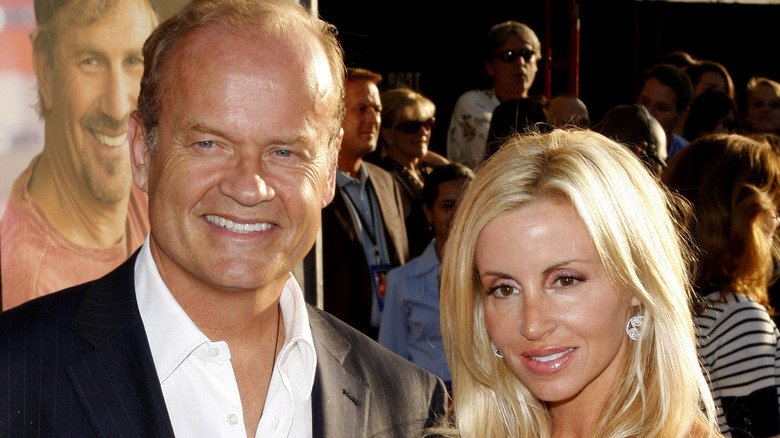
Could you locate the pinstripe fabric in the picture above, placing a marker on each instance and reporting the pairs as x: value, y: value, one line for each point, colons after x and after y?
x: 77, y: 364
x: 739, y: 347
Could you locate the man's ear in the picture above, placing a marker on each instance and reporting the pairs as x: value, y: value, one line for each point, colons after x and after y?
x: 139, y: 153
x: 44, y: 75
x: 330, y: 186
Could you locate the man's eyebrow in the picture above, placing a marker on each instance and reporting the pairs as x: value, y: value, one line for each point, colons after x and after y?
x: 296, y: 139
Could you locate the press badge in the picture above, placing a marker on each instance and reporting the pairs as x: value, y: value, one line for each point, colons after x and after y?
x: 379, y: 274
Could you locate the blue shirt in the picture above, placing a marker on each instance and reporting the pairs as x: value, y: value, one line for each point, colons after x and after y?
x: 675, y: 145
x: 364, y: 208
x: 410, y: 322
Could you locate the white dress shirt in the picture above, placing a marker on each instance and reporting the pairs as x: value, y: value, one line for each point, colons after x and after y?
x: 196, y: 374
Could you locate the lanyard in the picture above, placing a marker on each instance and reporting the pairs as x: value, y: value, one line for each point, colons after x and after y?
x: 373, y: 230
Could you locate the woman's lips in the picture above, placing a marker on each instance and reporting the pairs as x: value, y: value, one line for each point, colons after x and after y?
x: 548, y: 361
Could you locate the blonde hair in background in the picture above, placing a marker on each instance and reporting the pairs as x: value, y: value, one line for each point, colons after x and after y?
x: 661, y: 390
x: 396, y: 100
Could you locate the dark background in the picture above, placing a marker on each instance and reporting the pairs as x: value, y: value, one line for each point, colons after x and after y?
x: 433, y: 46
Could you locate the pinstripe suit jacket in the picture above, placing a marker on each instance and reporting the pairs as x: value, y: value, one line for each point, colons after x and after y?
x: 77, y: 363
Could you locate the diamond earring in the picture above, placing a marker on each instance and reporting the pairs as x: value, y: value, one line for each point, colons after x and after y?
x: 632, y: 328
x: 495, y: 349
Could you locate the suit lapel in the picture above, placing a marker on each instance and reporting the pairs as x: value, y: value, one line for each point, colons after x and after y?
x: 117, y: 382
x: 395, y: 229
x: 340, y: 211
x: 340, y: 397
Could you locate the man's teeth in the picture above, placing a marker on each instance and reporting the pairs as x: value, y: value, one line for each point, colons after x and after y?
x: 109, y: 141
x: 552, y: 356
x: 236, y: 227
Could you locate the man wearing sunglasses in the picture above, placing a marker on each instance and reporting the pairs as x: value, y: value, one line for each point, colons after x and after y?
x: 511, y: 51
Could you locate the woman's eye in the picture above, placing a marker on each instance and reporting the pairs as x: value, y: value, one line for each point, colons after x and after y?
x: 568, y: 280
x: 503, y: 290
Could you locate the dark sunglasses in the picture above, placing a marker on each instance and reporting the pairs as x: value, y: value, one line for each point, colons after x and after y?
x: 413, y: 126
x: 510, y: 56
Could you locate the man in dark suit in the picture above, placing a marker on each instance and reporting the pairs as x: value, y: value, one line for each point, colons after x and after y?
x: 363, y: 229
x: 204, y: 332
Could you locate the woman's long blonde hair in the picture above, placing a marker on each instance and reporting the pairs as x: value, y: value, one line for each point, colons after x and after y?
x: 661, y: 391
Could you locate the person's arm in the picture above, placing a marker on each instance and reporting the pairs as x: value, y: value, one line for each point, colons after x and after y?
x: 434, y: 160
x: 394, y: 328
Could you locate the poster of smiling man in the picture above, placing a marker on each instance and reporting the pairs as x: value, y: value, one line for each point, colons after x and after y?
x: 73, y: 213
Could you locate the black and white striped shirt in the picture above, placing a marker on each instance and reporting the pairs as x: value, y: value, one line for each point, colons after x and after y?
x: 739, y: 349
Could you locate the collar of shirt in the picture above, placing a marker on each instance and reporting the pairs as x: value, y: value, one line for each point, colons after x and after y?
x: 173, y: 336
x: 342, y: 179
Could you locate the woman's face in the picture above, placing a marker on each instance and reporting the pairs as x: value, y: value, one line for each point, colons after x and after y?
x: 408, y: 141
x: 549, y: 305
x: 763, y: 111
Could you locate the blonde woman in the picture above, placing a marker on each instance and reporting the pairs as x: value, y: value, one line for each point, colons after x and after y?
x: 566, y: 298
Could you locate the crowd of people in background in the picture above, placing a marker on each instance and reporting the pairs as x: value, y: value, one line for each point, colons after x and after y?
x: 630, y: 257
x: 693, y: 136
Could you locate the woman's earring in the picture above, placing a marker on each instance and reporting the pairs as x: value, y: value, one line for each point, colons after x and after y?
x: 632, y: 328
x: 495, y: 349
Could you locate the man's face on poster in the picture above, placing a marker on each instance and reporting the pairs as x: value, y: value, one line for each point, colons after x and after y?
x: 89, y: 84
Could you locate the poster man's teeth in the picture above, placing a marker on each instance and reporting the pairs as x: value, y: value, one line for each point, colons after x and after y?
x: 111, y: 141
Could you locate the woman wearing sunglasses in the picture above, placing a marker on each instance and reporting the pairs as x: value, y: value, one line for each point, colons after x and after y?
x: 407, y: 122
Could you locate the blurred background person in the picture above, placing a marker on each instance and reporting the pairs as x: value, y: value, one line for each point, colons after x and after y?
x: 733, y: 183
x: 567, y: 110
x: 516, y: 116
x: 410, y: 322
x: 713, y: 111
x: 363, y: 229
x: 635, y: 128
x: 678, y: 58
x: 710, y: 75
x: 666, y: 92
x: 405, y: 134
x: 511, y: 52
x: 74, y: 214
x: 563, y: 313
x: 762, y: 106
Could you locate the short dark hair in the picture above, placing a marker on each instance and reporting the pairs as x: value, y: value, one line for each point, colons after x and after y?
x: 357, y: 73
x: 49, y: 17
x: 442, y: 174
x: 674, y: 78
x: 705, y: 111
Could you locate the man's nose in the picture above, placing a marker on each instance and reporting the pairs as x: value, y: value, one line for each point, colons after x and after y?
x: 120, y: 93
x: 246, y: 185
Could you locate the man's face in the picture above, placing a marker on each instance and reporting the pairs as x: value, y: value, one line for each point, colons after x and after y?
x: 661, y: 101
x: 362, y: 118
x: 512, y: 80
x: 88, y: 89
x: 241, y: 169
